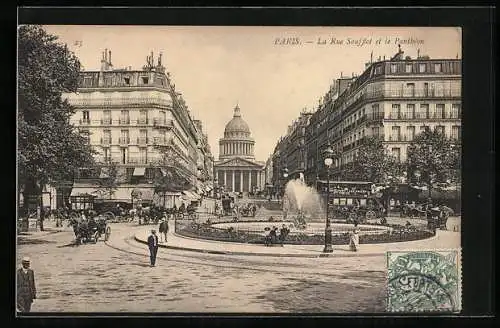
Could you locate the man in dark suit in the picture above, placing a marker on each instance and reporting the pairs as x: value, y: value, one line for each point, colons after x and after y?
x: 153, y: 247
x: 163, y: 229
x: 26, y: 290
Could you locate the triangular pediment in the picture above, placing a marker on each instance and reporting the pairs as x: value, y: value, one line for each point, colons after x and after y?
x: 238, y: 162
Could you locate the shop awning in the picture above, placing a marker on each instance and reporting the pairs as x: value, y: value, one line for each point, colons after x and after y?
x: 84, y: 189
x: 139, y: 171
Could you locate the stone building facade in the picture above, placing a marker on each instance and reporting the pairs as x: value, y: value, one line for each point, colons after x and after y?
x: 393, y: 100
x: 137, y: 119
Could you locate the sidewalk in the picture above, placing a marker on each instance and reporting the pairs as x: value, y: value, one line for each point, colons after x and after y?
x: 442, y: 240
x: 49, y: 229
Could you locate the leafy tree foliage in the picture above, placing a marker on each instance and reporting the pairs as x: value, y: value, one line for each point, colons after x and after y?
x: 435, y: 157
x: 49, y: 149
x: 372, y: 163
x: 176, y: 177
x: 109, y: 180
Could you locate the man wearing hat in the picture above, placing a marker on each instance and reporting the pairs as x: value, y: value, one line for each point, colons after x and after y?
x: 26, y: 291
x: 153, y: 247
x: 163, y: 229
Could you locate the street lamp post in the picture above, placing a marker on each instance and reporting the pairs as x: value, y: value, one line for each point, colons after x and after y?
x: 328, y: 154
x: 285, y: 176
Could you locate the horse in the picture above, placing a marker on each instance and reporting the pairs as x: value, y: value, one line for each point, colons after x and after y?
x: 80, y: 229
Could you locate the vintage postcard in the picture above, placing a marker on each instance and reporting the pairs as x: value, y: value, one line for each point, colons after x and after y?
x: 242, y: 169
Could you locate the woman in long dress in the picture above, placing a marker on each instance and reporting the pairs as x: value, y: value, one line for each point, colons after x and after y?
x: 354, y: 239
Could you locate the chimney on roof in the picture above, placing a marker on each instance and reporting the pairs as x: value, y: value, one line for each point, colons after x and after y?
x: 418, y: 53
x: 104, y: 64
x: 106, y: 54
x: 110, y: 58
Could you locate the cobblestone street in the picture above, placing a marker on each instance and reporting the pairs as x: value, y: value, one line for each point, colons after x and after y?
x: 115, y: 276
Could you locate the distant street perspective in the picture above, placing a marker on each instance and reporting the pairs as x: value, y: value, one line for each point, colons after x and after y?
x: 247, y: 200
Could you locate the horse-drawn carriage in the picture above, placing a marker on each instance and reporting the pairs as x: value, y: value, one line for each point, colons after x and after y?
x: 413, y: 210
x: 90, y: 230
x: 437, y: 217
x: 361, y: 210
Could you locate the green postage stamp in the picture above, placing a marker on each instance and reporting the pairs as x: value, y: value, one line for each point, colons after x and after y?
x: 424, y: 281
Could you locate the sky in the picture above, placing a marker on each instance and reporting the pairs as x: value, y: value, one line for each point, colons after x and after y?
x: 218, y: 67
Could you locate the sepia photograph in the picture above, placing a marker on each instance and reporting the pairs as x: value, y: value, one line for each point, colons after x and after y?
x: 239, y: 169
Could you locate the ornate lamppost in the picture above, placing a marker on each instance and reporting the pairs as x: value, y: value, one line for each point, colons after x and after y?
x: 285, y: 177
x: 328, y: 159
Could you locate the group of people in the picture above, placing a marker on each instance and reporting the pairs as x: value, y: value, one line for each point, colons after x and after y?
x: 272, y: 236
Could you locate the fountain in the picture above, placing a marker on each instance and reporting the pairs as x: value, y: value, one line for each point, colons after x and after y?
x: 301, y: 203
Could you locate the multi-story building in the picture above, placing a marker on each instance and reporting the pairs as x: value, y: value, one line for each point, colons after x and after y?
x: 393, y: 100
x: 136, y: 119
x: 268, y: 175
x: 237, y: 170
x: 290, y: 153
x: 317, y: 136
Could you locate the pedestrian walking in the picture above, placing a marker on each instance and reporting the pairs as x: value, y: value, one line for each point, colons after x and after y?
x: 26, y: 290
x: 354, y: 238
x: 153, y: 247
x: 163, y: 229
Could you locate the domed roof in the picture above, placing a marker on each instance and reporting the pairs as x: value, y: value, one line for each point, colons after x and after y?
x: 237, y: 124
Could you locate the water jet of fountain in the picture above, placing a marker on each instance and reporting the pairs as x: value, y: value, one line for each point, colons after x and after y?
x: 301, y: 202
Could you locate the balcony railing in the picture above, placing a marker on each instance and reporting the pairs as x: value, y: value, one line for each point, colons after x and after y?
x: 130, y: 160
x: 142, y: 121
x: 124, y: 141
x: 124, y: 121
x: 106, y: 121
x: 142, y: 140
x: 159, y: 122
x: 120, y: 102
x: 402, y: 137
x: 85, y: 122
x: 421, y: 116
x: 137, y: 160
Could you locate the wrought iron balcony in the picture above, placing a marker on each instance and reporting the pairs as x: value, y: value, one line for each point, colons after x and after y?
x: 159, y: 122
x: 106, y: 121
x: 124, y: 121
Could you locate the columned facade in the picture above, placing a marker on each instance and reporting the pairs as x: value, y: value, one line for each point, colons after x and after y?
x: 237, y: 170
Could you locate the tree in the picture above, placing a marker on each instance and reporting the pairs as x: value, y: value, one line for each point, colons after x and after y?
x: 109, y: 180
x: 49, y: 148
x: 371, y: 163
x: 435, y: 157
x: 175, y: 177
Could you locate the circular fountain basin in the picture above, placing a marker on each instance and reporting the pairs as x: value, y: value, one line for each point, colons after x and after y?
x: 312, y: 228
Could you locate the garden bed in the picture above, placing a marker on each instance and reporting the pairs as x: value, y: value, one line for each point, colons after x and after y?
x: 203, y: 231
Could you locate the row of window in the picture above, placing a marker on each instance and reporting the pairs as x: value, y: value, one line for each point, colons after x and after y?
x: 124, y: 116
x: 396, y: 135
x: 429, y: 67
x: 90, y: 81
x: 425, y: 111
